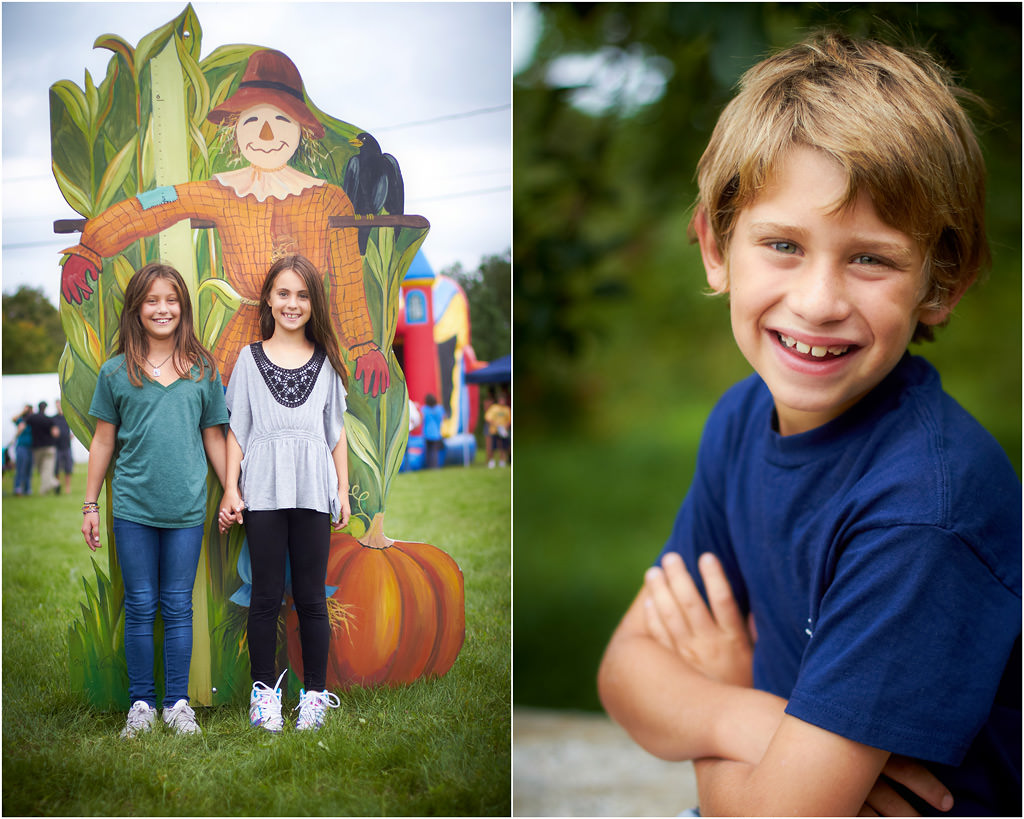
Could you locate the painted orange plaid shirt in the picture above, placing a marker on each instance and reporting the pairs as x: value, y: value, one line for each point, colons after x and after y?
x: 252, y: 235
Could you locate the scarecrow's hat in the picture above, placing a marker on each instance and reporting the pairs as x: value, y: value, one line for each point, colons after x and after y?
x: 270, y: 78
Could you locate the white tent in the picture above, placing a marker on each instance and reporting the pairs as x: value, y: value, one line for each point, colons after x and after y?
x: 19, y: 390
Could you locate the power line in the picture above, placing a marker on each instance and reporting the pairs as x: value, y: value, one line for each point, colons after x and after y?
x: 481, y: 192
x: 444, y: 118
x: 64, y: 240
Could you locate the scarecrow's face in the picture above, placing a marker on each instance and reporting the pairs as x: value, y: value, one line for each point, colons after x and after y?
x: 267, y: 136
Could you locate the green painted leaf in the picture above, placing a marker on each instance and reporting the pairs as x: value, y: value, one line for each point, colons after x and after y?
x: 153, y: 43
x: 74, y: 103
x: 194, y: 74
x: 117, y: 169
x: 81, y: 336
x: 79, y: 200
x: 361, y: 442
x: 226, y: 56
x: 119, y: 46
x: 223, y: 305
x: 123, y: 272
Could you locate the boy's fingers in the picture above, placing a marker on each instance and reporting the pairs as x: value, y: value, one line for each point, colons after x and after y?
x: 683, y: 589
x: 720, y: 596
x: 919, y: 780
x: 655, y: 627
x: 662, y: 599
x: 884, y: 801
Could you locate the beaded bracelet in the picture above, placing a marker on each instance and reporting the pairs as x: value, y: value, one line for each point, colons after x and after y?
x: 90, y: 506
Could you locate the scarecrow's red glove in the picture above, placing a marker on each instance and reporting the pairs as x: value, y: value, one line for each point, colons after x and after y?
x: 369, y: 365
x: 74, y: 279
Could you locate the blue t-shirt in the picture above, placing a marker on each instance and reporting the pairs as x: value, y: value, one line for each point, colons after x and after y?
x: 161, y: 467
x: 881, y: 557
x: 433, y: 417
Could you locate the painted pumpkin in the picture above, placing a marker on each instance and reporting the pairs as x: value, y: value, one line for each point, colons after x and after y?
x: 398, y: 613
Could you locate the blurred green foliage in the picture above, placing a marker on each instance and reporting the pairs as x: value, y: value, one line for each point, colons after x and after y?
x: 33, y: 337
x: 619, y: 354
x: 490, y: 308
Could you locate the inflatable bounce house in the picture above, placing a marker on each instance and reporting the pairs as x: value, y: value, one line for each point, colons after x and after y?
x: 432, y: 345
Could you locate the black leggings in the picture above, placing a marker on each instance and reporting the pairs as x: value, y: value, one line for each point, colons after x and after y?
x: 304, y: 536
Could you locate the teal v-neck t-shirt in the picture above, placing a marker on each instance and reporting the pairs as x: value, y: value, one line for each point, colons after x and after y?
x: 160, y: 463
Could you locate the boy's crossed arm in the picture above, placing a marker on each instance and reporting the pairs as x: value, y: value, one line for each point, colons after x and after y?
x: 677, y: 676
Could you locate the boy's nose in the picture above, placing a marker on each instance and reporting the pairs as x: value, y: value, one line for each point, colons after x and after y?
x: 819, y: 296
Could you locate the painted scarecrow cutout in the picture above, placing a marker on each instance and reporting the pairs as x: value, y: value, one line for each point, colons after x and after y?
x: 397, y: 607
x: 262, y: 212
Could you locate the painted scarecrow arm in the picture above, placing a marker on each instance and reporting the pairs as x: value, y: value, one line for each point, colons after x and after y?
x: 121, y: 224
x: 348, y: 302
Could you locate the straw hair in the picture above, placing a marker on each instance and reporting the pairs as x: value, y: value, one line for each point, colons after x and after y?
x: 893, y: 121
x: 319, y: 329
x: 133, y: 341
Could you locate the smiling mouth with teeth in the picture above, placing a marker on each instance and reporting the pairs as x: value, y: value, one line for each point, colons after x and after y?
x: 815, y: 352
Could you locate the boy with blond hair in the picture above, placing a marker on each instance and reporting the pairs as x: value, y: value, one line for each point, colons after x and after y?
x: 867, y: 525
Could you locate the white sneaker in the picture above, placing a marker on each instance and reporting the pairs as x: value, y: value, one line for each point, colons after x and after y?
x: 265, y: 705
x: 490, y: 464
x: 312, y: 708
x: 181, y: 718
x: 141, y: 717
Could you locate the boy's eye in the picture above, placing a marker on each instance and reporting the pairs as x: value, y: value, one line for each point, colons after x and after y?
x: 864, y: 258
x: 783, y: 247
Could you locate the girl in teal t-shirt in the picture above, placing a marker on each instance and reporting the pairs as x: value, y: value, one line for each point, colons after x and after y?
x: 159, y: 405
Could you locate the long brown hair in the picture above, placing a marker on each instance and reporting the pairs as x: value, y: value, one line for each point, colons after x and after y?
x: 319, y: 329
x: 133, y: 341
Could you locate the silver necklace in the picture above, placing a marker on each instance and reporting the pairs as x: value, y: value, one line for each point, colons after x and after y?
x: 156, y: 367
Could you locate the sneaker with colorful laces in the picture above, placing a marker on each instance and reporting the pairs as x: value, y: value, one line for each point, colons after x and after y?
x: 265, y: 705
x: 181, y: 718
x: 141, y: 717
x: 312, y: 708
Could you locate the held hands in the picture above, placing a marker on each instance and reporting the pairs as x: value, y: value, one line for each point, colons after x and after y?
x: 714, y: 640
x: 231, y: 507
x: 368, y: 366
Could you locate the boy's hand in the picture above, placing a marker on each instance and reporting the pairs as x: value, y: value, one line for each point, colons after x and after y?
x: 884, y: 800
x: 714, y: 641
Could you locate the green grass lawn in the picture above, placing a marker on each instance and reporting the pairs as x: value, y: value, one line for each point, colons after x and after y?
x: 436, y: 747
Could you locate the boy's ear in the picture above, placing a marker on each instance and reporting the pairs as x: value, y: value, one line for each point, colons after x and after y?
x: 715, y: 267
x: 934, y: 316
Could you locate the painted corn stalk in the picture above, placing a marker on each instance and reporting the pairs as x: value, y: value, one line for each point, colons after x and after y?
x: 172, y: 156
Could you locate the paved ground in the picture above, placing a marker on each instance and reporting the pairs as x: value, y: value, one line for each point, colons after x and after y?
x: 573, y: 764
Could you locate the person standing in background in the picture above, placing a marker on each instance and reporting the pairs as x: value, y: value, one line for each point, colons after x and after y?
x: 44, y: 448
x: 23, y: 453
x: 499, y: 424
x: 65, y: 464
x: 433, y: 417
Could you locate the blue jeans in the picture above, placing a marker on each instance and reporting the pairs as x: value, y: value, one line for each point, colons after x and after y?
x: 159, y: 568
x: 23, y: 470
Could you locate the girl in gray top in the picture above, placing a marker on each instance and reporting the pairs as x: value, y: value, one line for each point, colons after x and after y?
x: 287, y: 467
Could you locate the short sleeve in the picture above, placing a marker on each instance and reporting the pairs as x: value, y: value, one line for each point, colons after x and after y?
x: 334, y: 408
x: 215, y: 411
x: 103, y: 406
x: 237, y: 398
x: 911, y: 619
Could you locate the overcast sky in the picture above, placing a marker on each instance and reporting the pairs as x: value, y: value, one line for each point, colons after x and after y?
x: 430, y: 80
